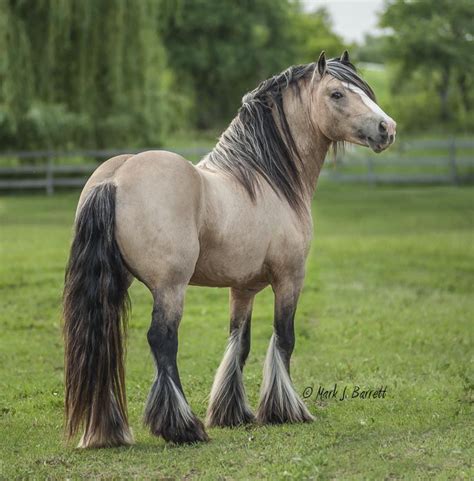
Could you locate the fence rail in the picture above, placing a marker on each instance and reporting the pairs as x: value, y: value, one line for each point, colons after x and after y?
x: 442, y: 161
x: 50, y: 175
x: 434, y: 162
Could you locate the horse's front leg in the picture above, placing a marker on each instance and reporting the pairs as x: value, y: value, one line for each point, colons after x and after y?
x: 167, y: 412
x: 279, y: 402
x: 228, y: 402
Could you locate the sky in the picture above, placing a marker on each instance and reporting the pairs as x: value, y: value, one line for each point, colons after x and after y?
x: 351, y: 18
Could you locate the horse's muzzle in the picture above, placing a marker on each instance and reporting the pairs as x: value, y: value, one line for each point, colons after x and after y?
x: 385, y: 136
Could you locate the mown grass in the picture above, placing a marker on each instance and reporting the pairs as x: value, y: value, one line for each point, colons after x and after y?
x: 387, y: 302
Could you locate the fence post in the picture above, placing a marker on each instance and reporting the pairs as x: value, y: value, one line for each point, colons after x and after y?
x: 452, y: 162
x: 49, y: 177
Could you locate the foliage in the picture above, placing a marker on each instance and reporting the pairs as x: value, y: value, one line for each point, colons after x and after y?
x: 387, y: 301
x: 222, y: 49
x: 313, y: 32
x: 373, y: 49
x: 116, y: 73
x: 89, y: 73
x: 127, y: 73
x: 432, y: 45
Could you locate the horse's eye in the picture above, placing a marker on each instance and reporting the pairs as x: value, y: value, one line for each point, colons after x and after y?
x: 336, y: 95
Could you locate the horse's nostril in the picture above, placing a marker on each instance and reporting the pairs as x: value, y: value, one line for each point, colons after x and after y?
x: 383, y: 127
x: 391, y: 138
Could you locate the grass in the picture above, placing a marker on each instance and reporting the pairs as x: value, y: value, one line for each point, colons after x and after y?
x: 387, y: 302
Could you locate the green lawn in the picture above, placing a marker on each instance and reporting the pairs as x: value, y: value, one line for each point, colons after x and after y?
x: 388, y: 301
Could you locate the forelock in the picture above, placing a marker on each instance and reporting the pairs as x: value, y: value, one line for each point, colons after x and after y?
x: 346, y: 72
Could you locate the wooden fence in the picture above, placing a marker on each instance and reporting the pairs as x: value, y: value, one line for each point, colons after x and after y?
x: 411, y: 162
x: 414, y: 162
x: 49, y: 174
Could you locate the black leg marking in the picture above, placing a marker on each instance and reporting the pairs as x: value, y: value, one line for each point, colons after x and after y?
x: 285, y: 333
x: 167, y: 412
x: 243, y: 333
x: 279, y: 402
x: 228, y: 405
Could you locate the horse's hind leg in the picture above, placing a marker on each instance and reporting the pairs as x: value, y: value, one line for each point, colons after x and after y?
x: 279, y: 403
x: 167, y: 412
x: 228, y: 402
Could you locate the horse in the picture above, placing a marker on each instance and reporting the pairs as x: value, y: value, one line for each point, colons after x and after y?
x: 241, y: 219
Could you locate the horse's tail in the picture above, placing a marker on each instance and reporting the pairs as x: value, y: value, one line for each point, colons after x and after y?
x: 95, y: 314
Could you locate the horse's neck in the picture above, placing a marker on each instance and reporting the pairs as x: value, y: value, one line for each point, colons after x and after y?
x: 313, y: 147
x: 312, y: 144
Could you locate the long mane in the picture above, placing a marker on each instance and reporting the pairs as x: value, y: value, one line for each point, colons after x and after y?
x: 259, y: 143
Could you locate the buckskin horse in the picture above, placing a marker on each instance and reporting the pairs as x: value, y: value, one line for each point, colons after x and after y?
x: 240, y: 218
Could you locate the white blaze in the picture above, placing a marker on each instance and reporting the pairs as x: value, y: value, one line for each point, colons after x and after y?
x: 372, y: 105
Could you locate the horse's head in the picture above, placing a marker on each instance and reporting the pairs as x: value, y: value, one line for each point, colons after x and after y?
x: 345, y: 106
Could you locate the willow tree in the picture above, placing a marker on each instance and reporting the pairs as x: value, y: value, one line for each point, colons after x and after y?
x: 82, y: 72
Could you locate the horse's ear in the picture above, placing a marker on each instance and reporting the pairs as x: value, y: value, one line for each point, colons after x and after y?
x: 345, y: 57
x: 322, y: 63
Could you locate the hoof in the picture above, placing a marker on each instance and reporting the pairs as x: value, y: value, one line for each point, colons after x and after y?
x: 189, y: 433
x: 168, y: 414
x: 271, y: 414
x: 231, y: 418
x: 277, y: 418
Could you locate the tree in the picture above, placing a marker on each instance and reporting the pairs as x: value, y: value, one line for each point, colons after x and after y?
x: 436, y: 39
x: 117, y: 73
x: 313, y: 32
x: 220, y: 50
x: 373, y: 49
x: 88, y: 72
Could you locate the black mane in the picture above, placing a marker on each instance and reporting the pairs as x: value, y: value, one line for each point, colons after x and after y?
x: 254, y: 144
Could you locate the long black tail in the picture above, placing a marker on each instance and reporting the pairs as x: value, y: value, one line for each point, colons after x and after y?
x: 95, y: 316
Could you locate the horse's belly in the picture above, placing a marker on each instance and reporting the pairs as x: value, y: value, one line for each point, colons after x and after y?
x: 221, y: 267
